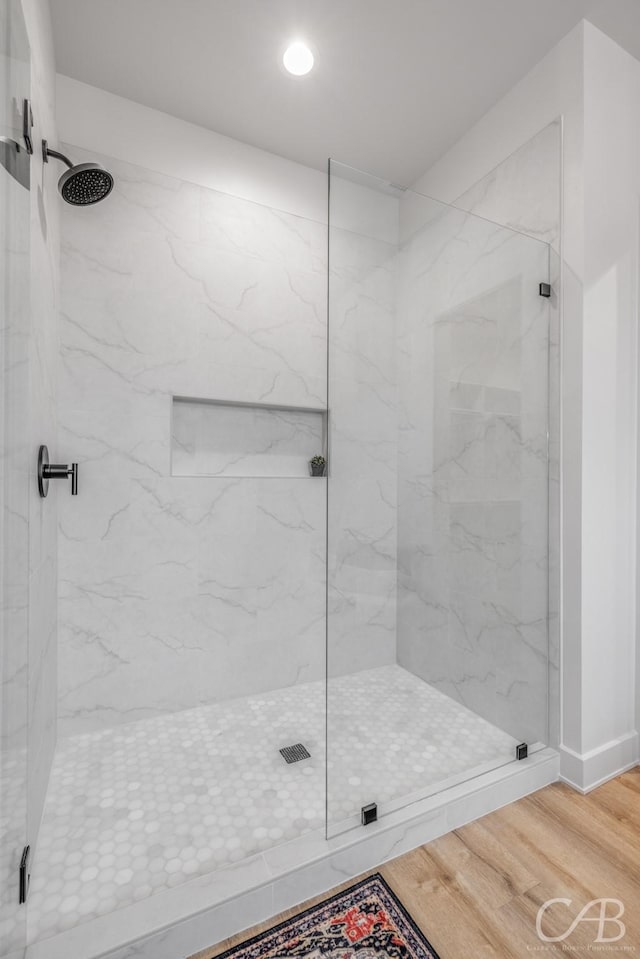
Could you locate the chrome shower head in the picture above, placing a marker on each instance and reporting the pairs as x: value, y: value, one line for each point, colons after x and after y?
x: 82, y: 184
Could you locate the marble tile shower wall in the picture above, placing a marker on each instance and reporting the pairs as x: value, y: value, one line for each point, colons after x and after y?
x: 524, y: 192
x: 474, y: 497
x: 176, y: 590
x: 362, y: 522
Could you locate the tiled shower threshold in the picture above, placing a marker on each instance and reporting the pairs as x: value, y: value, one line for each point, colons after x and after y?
x: 281, y: 865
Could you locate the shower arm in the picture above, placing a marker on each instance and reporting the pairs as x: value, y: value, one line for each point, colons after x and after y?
x: 47, y: 152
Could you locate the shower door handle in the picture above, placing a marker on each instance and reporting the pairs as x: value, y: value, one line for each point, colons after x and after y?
x: 48, y: 471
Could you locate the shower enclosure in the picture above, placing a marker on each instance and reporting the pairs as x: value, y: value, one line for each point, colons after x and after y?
x: 255, y: 660
x: 437, y: 561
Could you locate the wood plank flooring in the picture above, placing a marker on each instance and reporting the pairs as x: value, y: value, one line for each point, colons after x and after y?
x: 476, y: 891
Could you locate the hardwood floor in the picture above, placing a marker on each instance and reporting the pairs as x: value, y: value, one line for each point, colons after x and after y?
x: 476, y: 891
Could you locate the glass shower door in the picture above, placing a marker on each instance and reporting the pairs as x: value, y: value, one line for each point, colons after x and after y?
x: 15, y: 463
x: 437, y: 634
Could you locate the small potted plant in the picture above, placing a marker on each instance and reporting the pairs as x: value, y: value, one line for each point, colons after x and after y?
x: 317, y: 466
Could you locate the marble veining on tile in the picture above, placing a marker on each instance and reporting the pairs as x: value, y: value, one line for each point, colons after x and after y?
x: 177, y: 590
x: 473, y: 469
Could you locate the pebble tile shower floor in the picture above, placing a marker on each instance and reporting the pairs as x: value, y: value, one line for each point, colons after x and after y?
x: 143, y: 807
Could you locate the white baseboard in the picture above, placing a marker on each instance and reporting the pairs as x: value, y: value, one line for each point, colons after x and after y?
x: 587, y: 771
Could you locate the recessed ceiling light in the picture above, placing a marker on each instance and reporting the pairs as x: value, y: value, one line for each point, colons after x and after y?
x: 298, y: 59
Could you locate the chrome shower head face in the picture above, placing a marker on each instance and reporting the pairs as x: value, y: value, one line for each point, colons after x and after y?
x: 84, y: 184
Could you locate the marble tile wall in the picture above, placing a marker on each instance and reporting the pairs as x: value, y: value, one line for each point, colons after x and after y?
x: 474, y: 495
x: 177, y: 590
x: 362, y: 518
x: 166, y: 592
x: 524, y: 192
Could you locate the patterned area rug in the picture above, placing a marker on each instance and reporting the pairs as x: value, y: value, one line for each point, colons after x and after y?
x: 365, y: 921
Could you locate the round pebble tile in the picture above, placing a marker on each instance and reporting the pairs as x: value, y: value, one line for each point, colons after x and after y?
x: 137, y: 809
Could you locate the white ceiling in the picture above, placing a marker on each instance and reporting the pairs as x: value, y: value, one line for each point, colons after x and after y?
x: 396, y: 82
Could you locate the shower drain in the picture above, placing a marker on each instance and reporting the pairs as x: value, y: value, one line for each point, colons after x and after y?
x: 293, y: 754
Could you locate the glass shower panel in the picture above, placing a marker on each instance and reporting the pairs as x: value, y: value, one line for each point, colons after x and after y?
x: 437, y: 496
x: 15, y: 461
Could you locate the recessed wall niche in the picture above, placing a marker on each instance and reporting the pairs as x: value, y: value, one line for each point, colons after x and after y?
x: 215, y: 438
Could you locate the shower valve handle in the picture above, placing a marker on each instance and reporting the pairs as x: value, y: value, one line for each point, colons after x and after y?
x: 57, y: 471
x: 48, y: 471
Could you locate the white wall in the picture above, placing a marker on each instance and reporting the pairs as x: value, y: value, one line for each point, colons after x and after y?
x: 117, y: 127
x: 610, y: 313
x: 553, y: 88
x: 592, y: 84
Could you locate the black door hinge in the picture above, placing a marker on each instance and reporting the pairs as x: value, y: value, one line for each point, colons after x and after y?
x: 25, y: 875
x: 27, y: 126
